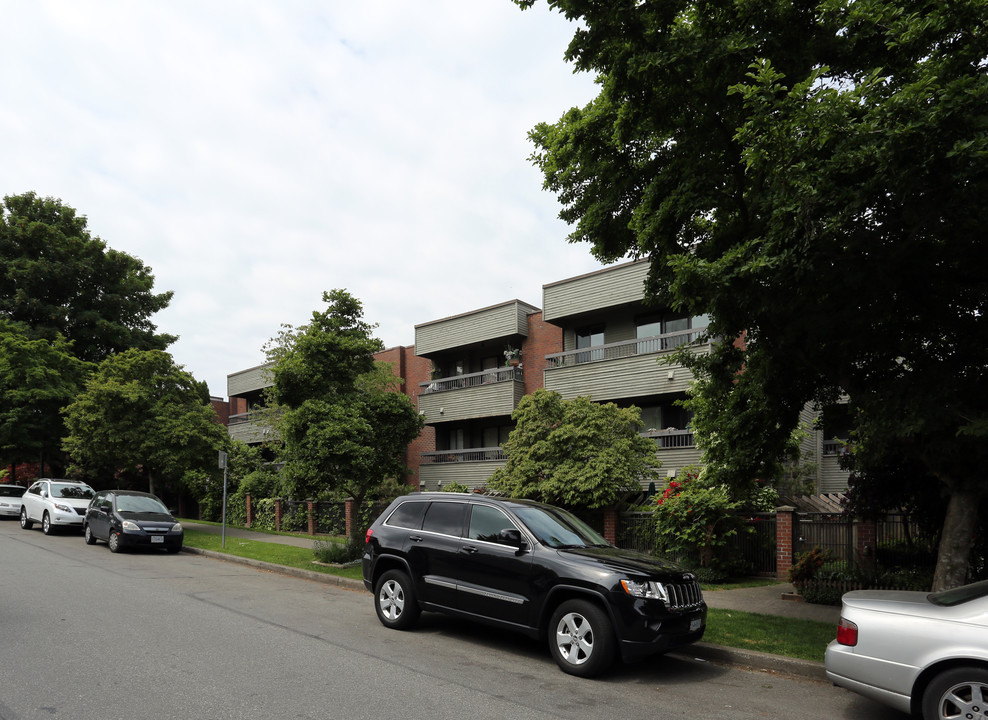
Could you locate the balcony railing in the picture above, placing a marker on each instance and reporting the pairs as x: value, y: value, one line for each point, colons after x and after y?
x: 485, y: 377
x: 670, y: 439
x: 833, y: 447
x: 488, y: 454
x: 626, y: 348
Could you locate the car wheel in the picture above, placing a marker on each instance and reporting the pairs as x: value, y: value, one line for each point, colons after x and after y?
x: 957, y: 693
x: 581, y: 638
x: 113, y: 540
x: 88, y: 533
x: 394, y: 601
x: 25, y: 523
x: 46, y: 527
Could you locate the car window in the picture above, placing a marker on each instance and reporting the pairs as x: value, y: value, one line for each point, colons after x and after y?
x: 36, y: 489
x: 11, y: 491
x: 445, y: 517
x: 486, y: 523
x: 959, y: 595
x: 408, y: 515
x: 557, y: 528
x: 76, y: 492
x: 140, y: 504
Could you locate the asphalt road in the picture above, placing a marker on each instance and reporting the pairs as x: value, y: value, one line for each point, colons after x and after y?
x: 87, y: 635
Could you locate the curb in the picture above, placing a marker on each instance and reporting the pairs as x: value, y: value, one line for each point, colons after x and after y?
x: 342, y: 582
x: 704, y: 652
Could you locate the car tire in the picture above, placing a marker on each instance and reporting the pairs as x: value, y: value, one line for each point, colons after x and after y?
x: 394, y: 601
x: 581, y: 638
x: 956, y: 693
x: 25, y: 523
x: 113, y: 541
x: 46, y: 527
x: 88, y: 534
x: 173, y: 549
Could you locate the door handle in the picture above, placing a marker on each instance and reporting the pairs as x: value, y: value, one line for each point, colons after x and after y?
x: 415, y: 538
x: 469, y: 549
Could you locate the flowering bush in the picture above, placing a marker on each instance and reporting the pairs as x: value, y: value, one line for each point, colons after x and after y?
x: 695, y: 518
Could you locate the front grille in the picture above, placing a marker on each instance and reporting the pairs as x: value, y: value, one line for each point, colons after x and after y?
x: 80, y: 511
x: 684, y: 595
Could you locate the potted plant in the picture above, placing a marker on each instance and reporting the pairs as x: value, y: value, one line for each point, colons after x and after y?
x: 512, y: 356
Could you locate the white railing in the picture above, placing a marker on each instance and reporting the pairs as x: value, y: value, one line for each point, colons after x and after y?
x: 488, y: 454
x: 486, y: 377
x: 670, y: 439
x: 626, y: 348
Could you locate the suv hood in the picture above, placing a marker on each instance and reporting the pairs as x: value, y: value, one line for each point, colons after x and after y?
x: 624, y: 561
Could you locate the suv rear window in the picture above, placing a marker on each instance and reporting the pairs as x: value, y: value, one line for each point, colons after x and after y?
x: 408, y: 515
x: 445, y: 518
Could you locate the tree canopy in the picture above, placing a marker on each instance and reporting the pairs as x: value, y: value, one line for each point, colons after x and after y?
x: 143, y: 415
x: 574, y: 452
x: 344, y: 428
x: 58, y: 279
x: 812, y: 175
x: 38, y: 377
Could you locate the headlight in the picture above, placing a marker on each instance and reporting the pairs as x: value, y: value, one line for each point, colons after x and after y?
x: 177, y: 528
x: 647, y: 589
x: 63, y: 508
x: 129, y: 526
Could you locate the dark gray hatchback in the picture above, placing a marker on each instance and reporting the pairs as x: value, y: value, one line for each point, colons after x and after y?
x: 127, y: 518
x: 532, y: 568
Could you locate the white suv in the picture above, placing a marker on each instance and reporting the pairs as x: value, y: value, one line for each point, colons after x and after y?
x: 55, y: 503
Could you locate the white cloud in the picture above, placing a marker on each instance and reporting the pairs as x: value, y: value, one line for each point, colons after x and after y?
x: 255, y: 154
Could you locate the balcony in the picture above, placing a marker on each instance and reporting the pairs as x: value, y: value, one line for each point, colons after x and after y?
x: 250, y: 427
x: 489, y: 393
x: 624, y: 369
x: 470, y: 467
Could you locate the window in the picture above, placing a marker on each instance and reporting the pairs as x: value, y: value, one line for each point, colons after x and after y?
x: 408, y: 515
x: 588, y: 337
x: 445, y: 518
x: 487, y: 522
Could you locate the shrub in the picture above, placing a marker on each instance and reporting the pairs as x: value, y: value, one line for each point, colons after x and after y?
x: 455, y: 487
x: 336, y: 553
x: 808, y: 566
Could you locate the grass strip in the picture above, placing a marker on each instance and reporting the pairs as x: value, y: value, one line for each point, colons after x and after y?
x: 805, y: 639
x: 276, y: 553
x: 791, y: 637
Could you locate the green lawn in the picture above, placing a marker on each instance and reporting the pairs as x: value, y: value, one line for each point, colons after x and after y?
x: 805, y: 639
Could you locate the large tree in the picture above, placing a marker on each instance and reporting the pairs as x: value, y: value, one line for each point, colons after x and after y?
x: 58, y: 279
x: 575, y: 452
x: 38, y: 377
x: 140, y: 413
x: 345, y: 430
x: 813, y: 175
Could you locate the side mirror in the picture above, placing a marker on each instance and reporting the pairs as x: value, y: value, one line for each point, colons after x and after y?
x: 510, y: 536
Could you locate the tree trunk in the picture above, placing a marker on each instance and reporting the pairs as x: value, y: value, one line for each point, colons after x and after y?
x: 954, y: 552
x: 150, y: 482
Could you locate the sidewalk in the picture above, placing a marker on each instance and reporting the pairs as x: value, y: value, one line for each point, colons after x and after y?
x: 765, y: 600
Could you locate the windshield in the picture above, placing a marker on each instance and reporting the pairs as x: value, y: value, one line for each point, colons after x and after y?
x: 140, y: 504
x: 76, y: 492
x: 557, y: 528
x: 956, y: 596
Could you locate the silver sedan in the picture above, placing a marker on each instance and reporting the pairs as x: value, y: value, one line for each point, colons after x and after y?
x: 922, y: 653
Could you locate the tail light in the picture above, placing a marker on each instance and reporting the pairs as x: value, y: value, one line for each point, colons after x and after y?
x: 847, y: 633
x: 367, y: 537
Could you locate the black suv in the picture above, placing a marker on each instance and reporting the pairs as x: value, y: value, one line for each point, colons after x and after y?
x: 532, y: 568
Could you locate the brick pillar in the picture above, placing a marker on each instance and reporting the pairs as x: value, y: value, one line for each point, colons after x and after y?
x: 866, y: 532
x: 785, y: 517
x: 250, y: 512
x: 611, y: 525
x: 310, y: 510
x: 277, y: 514
x: 350, y: 519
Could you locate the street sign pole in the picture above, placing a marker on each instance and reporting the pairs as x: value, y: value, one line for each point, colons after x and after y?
x: 223, y: 465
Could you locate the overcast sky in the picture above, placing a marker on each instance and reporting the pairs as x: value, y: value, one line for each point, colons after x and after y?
x: 254, y: 154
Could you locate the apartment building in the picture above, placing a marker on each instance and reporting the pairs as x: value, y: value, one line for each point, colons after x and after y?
x: 594, y: 335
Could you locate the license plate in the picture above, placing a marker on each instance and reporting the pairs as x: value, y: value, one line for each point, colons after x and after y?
x: 695, y: 624
x: 157, y: 538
